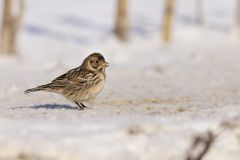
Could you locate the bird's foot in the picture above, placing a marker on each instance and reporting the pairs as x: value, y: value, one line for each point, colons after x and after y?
x: 84, y: 106
x: 81, y: 106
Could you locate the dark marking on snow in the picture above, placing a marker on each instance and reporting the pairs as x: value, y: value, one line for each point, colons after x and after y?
x: 48, y: 106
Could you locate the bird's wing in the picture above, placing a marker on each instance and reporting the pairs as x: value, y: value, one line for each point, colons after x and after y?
x: 75, y: 75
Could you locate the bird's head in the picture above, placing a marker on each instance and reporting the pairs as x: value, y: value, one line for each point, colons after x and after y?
x: 95, y: 62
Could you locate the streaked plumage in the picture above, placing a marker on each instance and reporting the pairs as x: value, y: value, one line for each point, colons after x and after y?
x: 79, y: 84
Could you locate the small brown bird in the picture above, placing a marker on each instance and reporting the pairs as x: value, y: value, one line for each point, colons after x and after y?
x: 79, y: 84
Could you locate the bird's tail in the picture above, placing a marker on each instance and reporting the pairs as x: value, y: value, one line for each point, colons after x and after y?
x: 45, y: 87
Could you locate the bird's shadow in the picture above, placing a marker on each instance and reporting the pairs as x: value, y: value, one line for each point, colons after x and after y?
x: 49, y: 106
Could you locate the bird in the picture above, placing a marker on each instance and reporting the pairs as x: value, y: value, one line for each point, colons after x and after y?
x: 80, y: 84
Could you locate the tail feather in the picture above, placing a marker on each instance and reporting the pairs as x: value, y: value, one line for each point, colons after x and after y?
x: 39, y: 88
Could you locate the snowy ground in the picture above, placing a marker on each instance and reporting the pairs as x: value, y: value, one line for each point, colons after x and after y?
x: 157, y: 97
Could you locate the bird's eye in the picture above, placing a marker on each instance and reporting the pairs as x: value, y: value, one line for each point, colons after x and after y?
x: 97, y: 61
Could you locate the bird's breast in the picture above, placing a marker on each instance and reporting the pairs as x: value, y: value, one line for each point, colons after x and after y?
x: 98, y: 87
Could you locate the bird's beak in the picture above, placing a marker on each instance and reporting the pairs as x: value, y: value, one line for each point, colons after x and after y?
x: 105, y: 64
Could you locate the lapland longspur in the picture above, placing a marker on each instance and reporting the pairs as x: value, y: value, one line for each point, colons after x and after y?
x: 79, y: 84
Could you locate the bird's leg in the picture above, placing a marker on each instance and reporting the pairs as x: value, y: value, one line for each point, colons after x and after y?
x: 80, y: 106
x: 84, y: 106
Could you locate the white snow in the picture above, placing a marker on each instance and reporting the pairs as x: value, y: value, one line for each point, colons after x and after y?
x: 157, y: 96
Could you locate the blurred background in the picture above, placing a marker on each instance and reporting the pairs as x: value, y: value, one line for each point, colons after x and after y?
x: 39, y: 28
